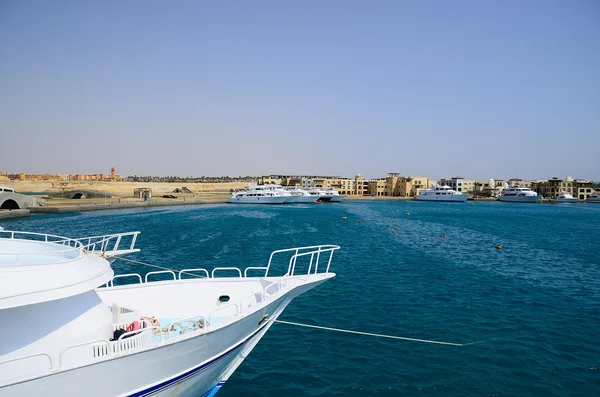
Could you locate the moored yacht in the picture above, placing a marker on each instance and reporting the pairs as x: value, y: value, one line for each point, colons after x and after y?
x: 565, y: 198
x: 594, y: 198
x: 257, y: 197
x: 334, y: 196
x: 300, y: 195
x: 517, y: 194
x: 274, y: 188
x: 319, y: 194
x: 441, y: 193
x: 68, y: 330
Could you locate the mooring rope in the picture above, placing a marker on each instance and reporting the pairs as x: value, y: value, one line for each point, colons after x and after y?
x: 346, y: 331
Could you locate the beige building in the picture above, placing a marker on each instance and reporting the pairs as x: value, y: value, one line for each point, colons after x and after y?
x: 378, y: 187
x: 459, y: 184
x: 582, y: 189
x: 551, y: 188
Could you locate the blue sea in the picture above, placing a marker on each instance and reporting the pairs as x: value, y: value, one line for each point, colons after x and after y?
x: 533, y: 306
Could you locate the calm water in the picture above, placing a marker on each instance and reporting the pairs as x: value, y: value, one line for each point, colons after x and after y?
x: 534, y: 305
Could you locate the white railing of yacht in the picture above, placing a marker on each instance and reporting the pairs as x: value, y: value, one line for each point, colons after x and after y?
x: 72, y: 251
x: 253, y: 268
x: 12, y: 360
x: 110, y: 283
x: 226, y: 269
x: 66, y: 349
x: 210, y: 316
x: 317, y: 249
x: 189, y: 271
x: 316, y: 254
x: 160, y: 272
x: 110, y: 244
x: 252, y: 295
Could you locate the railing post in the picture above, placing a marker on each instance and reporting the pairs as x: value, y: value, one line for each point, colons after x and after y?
x: 318, y: 256
x: 329, y: 262
x: 133, y: 240
x: 115, y: 248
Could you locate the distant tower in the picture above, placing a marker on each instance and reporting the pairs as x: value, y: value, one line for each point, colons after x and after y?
x: 112, y: 173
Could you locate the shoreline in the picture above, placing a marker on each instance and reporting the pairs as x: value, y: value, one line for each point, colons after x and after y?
x: 10, y: 214
x: 125, y: 205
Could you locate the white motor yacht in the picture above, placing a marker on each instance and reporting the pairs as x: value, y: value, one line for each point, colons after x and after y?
x: 319, y: 195
x: 334, y: 196
x: 257, y: 197
x: 441, y: 193
x: 274, y: 188
x: 68, y: 330
x: 300, y: 195
x: 594, y: 198
x: 517, y: 194
x: 565, y: 198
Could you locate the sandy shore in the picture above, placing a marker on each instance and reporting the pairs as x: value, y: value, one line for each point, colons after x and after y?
x: 120, y: 189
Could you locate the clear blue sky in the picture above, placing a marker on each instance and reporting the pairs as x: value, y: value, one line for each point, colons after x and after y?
x: 484, y: 89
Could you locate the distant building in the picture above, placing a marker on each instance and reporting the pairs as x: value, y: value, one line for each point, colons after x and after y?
x: 459, y: 184
x: 142, y: 193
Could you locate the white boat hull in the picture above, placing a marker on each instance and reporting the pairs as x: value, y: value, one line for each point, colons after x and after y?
x: 460, y: 198
x: 565, y: 200
x: 192, y: 367
x: 520, y: 199
x: 258, y: 200
x: 303, y: 199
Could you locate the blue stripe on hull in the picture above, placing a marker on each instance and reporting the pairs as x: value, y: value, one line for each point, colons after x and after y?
x: 180, y: 378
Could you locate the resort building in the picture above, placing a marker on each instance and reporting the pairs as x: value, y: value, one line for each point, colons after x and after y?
x: 489, y: 187
x: 459, y: 184
x: 582, y: 189
x: 551, y: 188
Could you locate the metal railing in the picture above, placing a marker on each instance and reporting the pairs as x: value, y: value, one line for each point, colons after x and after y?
x: 71, y: 250
x: 318, y: 255
x: 305, y: 251
x: 189, y: 271
x: 74, y: 248
x: 160, y: 272
x: 210, y: 316
x: 111, y: 244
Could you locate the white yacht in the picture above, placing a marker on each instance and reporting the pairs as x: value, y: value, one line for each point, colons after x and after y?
x: 319, y: 194
x: 517, y: 194
x: 68, y: 330
x: 334, y: 196
x: 257, y: 197
x: 274, y: 188
x: 300, y: 195
x: 441, y: 193
x: 594, y: 198
x: 565, y: 198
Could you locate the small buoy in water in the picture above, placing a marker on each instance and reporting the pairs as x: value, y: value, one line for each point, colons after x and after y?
x: 396, y: 228
x: 443, y: 236
x: 344, y: 218
x: 498, y: 246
